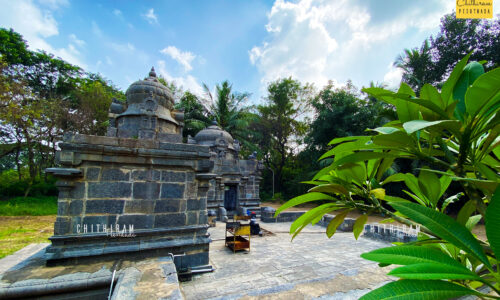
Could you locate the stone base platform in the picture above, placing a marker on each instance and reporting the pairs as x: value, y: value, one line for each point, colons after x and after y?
x: 190, y: 241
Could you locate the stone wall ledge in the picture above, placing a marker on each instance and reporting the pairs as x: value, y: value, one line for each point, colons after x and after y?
x: 194, y: 151
x: 131, y: 143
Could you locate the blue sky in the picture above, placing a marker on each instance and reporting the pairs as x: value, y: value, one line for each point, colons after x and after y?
x: 250, y: 43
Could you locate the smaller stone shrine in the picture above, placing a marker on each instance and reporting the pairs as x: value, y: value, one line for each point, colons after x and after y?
x: 236, y: 185
x: 138, y: 192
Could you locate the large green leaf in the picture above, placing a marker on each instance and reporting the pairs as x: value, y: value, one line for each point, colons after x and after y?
x: 348, y: 147
x: 335, y: 223
x: 325, y: 171
x: 492, y: 222
x: 397, y: 139
x: 429, y: 184
x: 361, y: 156
x: 355, y: 171
x: 428, y: 106
x: 394, y: 199
x: 310, y: 216
x: 444, y: 227
x: 385, y: 164
x: 418, y: 289
x: 432, y: 94
x: 449, y: 85
x: 466, y: 211
x: 472, y: 222
x: 406, y: 110
x: 416, y: 125
x: 344, y: 139
x: 303, y: 199
x: 444, y: 182
x: 394, y: 178
x: 487, y: 172
x: 471, y: 72
x: 408, y: 255
x: 434, y: 271
x: 482, y: 92
x: 386, y: 130
x: 359, y: 225
x: 412, y: 182
x: 330, y: 188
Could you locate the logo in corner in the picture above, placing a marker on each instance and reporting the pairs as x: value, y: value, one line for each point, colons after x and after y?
x: 474, y: 9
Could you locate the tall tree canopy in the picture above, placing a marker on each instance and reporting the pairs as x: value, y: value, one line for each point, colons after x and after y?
x: 41, y: 97
x: 339, y: 112
x: 195, y: 115
x: 282, y: 123
x: 432, y: 62
x: 227, y: 108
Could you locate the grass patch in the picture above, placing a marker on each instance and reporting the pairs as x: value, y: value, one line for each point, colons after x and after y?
x: 18, y: 232
x: 29, y: 206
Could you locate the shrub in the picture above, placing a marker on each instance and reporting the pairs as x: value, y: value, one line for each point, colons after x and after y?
x: 11, y: 186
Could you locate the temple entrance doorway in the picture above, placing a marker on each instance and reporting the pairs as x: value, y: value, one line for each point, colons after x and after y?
x: 230, y: 197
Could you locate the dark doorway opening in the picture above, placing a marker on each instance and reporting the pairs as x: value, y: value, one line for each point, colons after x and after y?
x: 230, y: 197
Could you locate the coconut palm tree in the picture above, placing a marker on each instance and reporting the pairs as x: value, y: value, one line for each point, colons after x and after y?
x: 227, y: 109
x: 416, y: 65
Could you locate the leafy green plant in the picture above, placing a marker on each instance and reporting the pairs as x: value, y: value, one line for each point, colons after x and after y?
x: 454, y: 132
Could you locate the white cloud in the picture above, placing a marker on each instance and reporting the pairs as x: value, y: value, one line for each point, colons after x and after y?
x: 183, y: 58
x: 151, y: 17
x: 75, y: 40
x: 36, y: 25
x: 316, y: 41
x: 393, y: 77
x: 54, y: 4
x: 122, y: 48
x: 109, y: 61
x: 117, y: 12
x: 96, y: 30
x: 188, y: 82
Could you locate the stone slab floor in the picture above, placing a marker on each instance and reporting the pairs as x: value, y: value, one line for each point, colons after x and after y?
x: 310, y: 267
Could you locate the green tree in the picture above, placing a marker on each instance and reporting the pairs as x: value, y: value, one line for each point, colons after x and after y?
x: 339, y: 112
x: 91, y: 116
x: 416, y: 66
x: 227, y: 109
x: 195, y: 115
x: 282, y: 124
x: 41, y: 98
x: 177, y: 91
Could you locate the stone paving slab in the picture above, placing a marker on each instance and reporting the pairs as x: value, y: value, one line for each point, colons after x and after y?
x: 310, y: 267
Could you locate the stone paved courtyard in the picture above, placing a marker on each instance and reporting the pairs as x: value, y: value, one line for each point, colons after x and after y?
x: 310, y: 267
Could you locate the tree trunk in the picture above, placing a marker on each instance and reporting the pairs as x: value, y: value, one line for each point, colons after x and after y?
x: 18, y: 164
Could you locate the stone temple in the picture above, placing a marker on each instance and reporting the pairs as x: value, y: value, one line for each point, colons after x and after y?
x: 141, y: 192
x: 237, y: 182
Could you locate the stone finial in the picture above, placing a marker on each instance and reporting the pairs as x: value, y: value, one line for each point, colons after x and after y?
x: 152, y: 73
x: 214, y: 122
